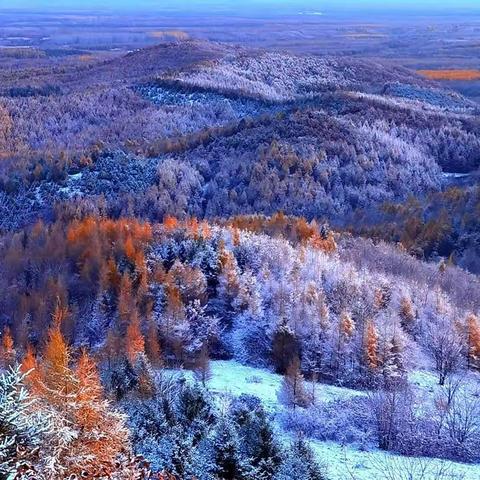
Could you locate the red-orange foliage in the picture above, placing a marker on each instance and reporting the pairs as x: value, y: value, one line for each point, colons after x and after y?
x: 205, y: 230
x: 60, y: 314
x: 7, y: 352
x: 407, y: 314
x: 170, y: 223
x: 30, y: 366
x: 152, y: 345
x: 473, y: 326
x: 347, y: 326
x: 93, y: 240
x: 129, y: 248
x: 89, y: 391
x: 371, y: 346
x: 451, y: 74
x: 325, y: 244
x: 229, y: 272
x: 113, y: 275
x: 56, y: 360
x: 134, y: 341
x: 74, y: 397
x: 192, y: 227
x: 175, y: 305
x: 295, y: 229
x: 235, y: 236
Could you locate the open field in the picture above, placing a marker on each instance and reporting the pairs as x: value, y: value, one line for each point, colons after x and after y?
x: 435, y: 43
x: 451, y: 74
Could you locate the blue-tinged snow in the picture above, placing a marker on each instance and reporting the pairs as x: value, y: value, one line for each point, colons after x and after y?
x: 347, y: 463
x: 343, y: 462
x: 237, y: 379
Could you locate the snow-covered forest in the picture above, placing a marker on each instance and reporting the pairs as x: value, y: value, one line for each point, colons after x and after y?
x: 224, y: 263
x: 121, y: 308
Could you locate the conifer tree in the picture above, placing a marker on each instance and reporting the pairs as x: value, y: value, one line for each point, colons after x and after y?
x: 292, y: 392
x: 300, y: 462
x: 407, y: 315
x: 152, y: 345
x: 393, y: 365
x: 347, y: 326
x: 202, y: 371
x: 145, y: 377
x: 229, y: 464
x: 7, y: 350
x: 31, y: 370
x: 21, y: 430
x: 285, y: 348
x: 371, y: 346
x: 126, y: 302
x: 473, y: 329
x: 56, y: 373
x: 134, y: 341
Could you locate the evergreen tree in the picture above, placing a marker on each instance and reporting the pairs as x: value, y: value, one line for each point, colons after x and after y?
x: 259, y: 444
x: 300, y: 462
x: 194, y: 408
x: 371, y: 347
x: 145, y: 385
x: 134, y: 341
x: 21, y: 431
x: 407, y: 315
x: 393, y: 365
x: 226, y: 446
x: 201, y: 370
x: 152, y: 345
x: 285, y: 348
x: 292, y: 392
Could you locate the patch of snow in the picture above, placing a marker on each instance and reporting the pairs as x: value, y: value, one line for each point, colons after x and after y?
x: 350, y: 463
x: 455, y: 175
x: 231, y: 377
x: 75, y: 176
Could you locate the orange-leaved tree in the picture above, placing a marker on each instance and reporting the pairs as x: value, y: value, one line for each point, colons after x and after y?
x: 7, y: 350
x: 102, y: 434
x: 371, y: 346
x: 134, y: 341
x: 473, y: 327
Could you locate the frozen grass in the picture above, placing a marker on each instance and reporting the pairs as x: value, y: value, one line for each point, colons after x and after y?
x: 236, y: 379
x: 343, y: 462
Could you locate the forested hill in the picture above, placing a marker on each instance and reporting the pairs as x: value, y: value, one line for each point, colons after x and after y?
x: 198, y: 128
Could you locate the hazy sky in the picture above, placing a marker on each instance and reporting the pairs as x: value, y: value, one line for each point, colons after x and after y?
x: 232, y: 5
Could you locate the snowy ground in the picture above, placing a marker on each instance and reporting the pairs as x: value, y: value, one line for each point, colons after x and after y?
x: 346, y: 463
x: 343, y: 462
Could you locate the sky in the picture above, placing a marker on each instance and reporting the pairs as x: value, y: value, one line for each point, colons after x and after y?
x: 244, y: 5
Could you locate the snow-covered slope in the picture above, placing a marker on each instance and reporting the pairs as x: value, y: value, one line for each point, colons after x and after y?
x: 342, y: 462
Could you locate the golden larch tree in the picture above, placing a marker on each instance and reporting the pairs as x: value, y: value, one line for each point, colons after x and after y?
x: 347, y: 326
x: 31, y: 369
x: 56, y: 372
x: 7, y: 352
x: 473, y: 328
x: 134, y: 341
x: 371, y: 346
x: 152, y: 345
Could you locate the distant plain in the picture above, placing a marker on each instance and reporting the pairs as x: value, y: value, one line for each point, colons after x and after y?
x: 437, y: 43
